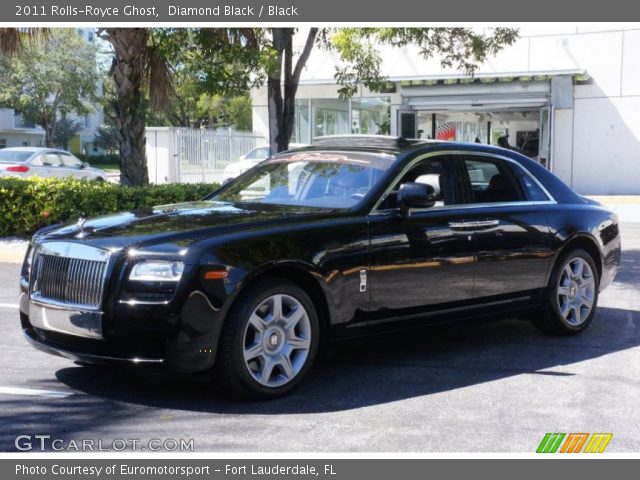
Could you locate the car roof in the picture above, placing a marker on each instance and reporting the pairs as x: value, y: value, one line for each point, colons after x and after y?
x: 34, y: 149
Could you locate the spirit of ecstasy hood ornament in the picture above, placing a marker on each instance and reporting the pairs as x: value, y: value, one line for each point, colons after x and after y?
x: 80, y: 225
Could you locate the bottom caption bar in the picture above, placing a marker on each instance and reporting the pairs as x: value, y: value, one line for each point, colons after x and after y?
x: 338, y: 469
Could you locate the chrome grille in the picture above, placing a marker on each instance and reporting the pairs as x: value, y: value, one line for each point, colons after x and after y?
x: 69, y: 274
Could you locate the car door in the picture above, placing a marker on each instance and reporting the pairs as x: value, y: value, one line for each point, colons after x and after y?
x: 73, y: 167
x: 509, y: 224
x: 418, y: 263
x: 52, y: 165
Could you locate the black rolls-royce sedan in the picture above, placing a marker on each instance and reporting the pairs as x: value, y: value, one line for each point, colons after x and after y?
x: 350, y: 235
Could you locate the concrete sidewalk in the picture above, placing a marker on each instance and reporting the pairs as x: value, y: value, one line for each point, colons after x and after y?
x: 627, y: 207
x: 13, y: 250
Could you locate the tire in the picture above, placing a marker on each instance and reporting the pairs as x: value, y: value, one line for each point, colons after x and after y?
x: 261, y: 356
x: 571, y: 298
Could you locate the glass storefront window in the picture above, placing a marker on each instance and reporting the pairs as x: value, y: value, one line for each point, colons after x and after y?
x: 330, y: 117
x: 371, y: 116
x: 301, y: 130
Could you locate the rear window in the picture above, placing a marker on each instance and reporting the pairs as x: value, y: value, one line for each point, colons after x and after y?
x: 14, y: 156
x: 534, y: 192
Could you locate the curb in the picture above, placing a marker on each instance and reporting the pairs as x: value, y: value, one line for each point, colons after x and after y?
x: 616, y: 199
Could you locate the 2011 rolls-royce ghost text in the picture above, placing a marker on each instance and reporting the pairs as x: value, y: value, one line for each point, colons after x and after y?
x: 337, y: 239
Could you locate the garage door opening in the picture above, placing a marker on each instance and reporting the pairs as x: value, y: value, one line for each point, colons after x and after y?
x: 525, y: 131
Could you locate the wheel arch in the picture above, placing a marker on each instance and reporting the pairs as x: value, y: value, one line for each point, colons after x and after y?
x: 302, y: 276
x: 586, y: 243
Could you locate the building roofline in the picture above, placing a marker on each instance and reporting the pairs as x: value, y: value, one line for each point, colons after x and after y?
x: 485, y: 77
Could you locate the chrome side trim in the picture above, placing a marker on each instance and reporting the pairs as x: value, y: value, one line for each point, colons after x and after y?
x: 441, y: 312
x: 443, y: 153
x: 467, y: 206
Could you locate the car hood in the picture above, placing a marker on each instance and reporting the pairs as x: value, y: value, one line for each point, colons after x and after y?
x: 179, y: 224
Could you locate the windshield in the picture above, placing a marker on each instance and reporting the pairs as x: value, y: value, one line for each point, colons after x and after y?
x: 14, y: 156
x: 310, y: 179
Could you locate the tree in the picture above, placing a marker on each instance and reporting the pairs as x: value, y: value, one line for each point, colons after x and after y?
x: 463, y: 48
x: 142, y: 66
x: 48, y: 78
x: 212, y: 71
x: 229, y: 61
x: 106, y: 138
x: 65, y: 129
x: 283, y: 75
x: 239, y: 113
x: 135, y: 65
x: 216, y: 111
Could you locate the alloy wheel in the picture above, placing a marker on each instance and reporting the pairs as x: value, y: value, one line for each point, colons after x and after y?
x: 576, y: 291
x: 277, y: 340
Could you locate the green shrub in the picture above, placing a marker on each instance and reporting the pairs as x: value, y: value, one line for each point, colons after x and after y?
x: 29, y: 204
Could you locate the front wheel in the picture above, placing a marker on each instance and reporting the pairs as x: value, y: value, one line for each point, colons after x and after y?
x: 571, y: 298
x: 269, y: 340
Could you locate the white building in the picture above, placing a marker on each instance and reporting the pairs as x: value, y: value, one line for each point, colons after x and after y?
x: 577, y: 89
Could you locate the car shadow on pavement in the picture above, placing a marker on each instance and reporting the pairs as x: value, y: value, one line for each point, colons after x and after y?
x: 381, y: 369
x: 353, y: 374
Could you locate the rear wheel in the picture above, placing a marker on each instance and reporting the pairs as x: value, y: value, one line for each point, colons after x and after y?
x: 269, y: 340
x: 571, y: 297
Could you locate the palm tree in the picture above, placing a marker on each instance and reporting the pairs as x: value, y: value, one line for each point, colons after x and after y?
x: 11, y: 39
x: 136, y: 65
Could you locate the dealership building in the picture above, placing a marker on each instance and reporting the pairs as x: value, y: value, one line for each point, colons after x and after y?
x: 568, y: 96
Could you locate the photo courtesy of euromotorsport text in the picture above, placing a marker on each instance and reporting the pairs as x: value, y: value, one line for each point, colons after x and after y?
x: 294, y: 239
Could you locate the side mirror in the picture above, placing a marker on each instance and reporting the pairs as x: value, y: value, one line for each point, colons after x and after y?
x: 415, y: 195
x: 85, y: 165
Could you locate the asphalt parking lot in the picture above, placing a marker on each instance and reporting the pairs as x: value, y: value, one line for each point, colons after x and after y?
x: 493, y: 387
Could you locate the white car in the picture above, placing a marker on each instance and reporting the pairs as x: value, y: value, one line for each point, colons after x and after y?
x: 250, y: 160
x: 26, y: 162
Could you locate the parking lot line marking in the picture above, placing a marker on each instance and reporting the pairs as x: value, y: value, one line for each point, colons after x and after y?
x: 33, y: 392
x: 8, y: 305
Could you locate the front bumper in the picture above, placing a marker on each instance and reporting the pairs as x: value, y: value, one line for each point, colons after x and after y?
x: 53, y: 348
x: 189, y: 347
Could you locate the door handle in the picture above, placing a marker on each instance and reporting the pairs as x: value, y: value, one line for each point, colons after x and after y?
x: 461, y: 225
x: 474, y: 224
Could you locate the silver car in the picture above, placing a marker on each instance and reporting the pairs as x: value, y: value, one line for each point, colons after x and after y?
x: 250, y: 160
x: 46, y: 162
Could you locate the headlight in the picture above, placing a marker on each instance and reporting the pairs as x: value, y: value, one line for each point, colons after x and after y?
x: 157, y: 271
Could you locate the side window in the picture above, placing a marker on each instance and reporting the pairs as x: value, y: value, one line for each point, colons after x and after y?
x: 70, y: 161
x: 490, y: 181
x: 532, y: 189
x: 432, y: 171
x: 51, y: 160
